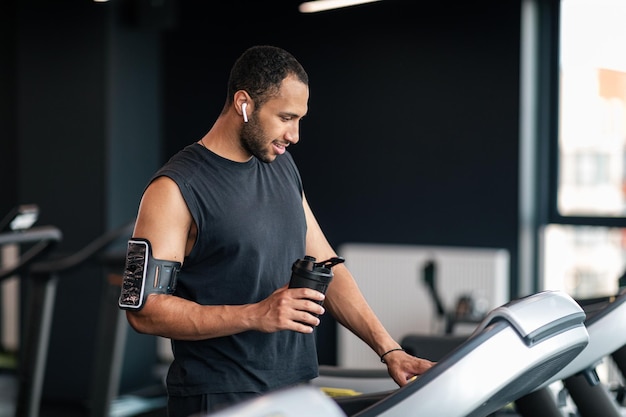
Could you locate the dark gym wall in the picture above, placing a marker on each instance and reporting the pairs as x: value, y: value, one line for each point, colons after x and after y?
x: 88, y: 138
x: 8, y: 125
x: 60, y: 155
x: 412, y: 131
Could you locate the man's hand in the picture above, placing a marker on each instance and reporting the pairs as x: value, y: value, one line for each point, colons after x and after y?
x: 289, y: 309
x: 403, y: 368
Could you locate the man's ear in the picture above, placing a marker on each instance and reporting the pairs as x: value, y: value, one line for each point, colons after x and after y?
x: 243, y: 104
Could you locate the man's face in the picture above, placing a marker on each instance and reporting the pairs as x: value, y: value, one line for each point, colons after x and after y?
x: 275, y: 125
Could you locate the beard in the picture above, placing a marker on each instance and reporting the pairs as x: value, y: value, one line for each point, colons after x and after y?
x: 254, y: 140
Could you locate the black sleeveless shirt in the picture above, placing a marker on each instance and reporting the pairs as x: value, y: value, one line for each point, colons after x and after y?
x: 251, y: 228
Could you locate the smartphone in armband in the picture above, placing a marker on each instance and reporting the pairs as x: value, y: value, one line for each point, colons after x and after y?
x: 144, y: 275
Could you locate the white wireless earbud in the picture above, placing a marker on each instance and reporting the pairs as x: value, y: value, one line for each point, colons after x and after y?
x: 243, y: 110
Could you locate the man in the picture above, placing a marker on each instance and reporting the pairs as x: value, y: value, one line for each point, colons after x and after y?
x: 231, y: 209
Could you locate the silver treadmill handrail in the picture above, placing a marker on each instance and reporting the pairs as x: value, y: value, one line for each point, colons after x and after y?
x: 498, y: 374
x: 558, y: 312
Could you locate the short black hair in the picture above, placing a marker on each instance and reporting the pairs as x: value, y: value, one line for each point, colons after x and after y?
x: 260, y: 70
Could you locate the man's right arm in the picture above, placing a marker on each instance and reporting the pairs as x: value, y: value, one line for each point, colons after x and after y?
x: 165, y: 221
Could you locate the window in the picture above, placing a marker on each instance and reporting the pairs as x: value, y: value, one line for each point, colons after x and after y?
x: 584, y: 235
x: 585, y: 241
x: 592, y: 108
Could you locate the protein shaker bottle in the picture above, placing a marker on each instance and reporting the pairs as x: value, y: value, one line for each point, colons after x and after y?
x: 306, y: 273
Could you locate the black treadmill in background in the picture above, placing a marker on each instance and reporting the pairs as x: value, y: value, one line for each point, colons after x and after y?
x: 39, y: 278
x: 33, y: 244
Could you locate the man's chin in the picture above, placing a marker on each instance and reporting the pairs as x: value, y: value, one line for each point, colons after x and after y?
x: 267, y: 158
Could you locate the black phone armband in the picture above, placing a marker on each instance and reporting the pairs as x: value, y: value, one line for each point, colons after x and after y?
x: 144, y: 275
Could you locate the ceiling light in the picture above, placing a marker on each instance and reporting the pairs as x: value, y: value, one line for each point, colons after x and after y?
x: 321, y: 5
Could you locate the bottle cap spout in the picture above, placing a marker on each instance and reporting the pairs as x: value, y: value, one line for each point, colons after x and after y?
x: 329, y: 263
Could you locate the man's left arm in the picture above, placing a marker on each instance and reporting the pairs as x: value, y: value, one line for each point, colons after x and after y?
x: 347, y: 304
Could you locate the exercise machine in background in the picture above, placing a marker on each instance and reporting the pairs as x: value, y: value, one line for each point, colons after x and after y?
x: 606, y: 324
x: 40, y: 276
x: 30, y: 244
